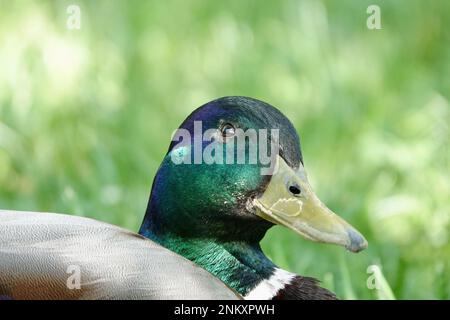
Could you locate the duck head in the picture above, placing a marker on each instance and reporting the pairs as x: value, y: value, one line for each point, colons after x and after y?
x: 234, y: 169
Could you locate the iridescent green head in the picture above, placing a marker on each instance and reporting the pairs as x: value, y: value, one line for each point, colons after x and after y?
x: 216, y: 182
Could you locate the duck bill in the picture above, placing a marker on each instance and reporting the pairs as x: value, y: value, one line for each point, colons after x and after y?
x: 290, y: 201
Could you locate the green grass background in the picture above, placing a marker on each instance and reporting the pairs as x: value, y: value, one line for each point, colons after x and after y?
x: 86, y: 116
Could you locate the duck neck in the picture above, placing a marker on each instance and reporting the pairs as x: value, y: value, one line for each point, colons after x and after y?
x: 234, y: 256
x: 239, y: 264
x: 243, y: 267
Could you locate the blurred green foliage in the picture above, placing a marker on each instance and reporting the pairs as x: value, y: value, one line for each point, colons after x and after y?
x: 86, y: 116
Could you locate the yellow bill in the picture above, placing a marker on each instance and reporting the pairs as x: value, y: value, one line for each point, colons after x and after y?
x: 290, y: 201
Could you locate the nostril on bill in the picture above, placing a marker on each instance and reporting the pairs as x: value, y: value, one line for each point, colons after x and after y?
x: 294, y: 189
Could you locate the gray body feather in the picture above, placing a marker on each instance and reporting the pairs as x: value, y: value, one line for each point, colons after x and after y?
x: 42, y: 254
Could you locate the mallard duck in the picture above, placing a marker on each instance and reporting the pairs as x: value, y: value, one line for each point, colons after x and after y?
x: 205, y: 218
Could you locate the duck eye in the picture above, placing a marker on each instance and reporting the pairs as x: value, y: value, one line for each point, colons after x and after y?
x: 228, y: 130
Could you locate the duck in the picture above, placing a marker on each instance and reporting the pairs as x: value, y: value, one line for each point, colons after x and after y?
x: 234, y: 169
